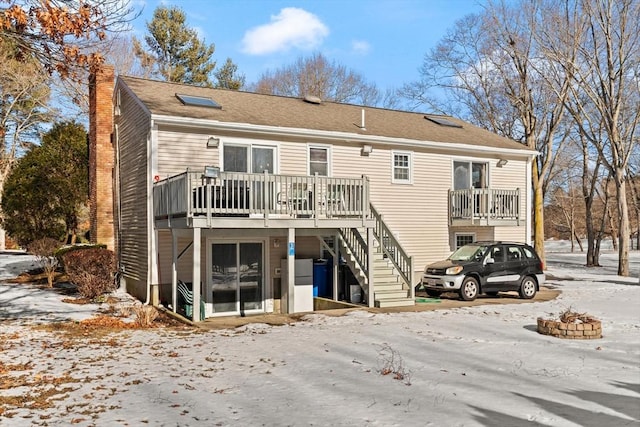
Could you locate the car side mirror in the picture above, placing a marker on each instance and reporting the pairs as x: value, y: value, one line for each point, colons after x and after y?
x: 489, y: 261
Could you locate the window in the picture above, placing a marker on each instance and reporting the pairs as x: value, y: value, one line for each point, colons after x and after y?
x: 443, y: 121
x: 245, y: 158
x: 467, y: 175
x: 401, y: 167
x: 513, y: 253
x: 319, y: 161
x: 235, y: 158
x: 464, y: 239
x: 198, y: 101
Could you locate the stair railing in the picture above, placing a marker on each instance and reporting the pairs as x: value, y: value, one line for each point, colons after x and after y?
x: 393, y: 249
x: 358, y: 247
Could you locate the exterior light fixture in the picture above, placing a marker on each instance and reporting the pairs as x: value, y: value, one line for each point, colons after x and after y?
x: 366, y: 150
x: 502, y: 162
x: 213, y: 142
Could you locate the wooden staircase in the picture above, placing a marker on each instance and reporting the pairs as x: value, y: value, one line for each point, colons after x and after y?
x: 390, y: 289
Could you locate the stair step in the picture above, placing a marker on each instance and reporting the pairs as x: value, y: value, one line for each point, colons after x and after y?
x: 387, y: 286
x: 385, y: 276
x: 396, y: 302
x: 390, y: 294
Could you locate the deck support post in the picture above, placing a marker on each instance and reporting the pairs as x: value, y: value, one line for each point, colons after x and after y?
x: 291, y: 268
x: 370, y: 292
x: 196, y: 274
x: 174, y: 270
x: 335, y: 270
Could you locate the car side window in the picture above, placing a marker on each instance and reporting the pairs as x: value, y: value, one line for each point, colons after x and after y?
x: 497, y: 254
x: 513, y: 253
x: 528, y: 253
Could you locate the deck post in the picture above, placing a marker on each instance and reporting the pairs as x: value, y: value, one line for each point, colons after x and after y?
x: 174, y: 269
x: 336, y: 265
x: 196, y: 274
x: 291, y: 268
x: 370, y: 292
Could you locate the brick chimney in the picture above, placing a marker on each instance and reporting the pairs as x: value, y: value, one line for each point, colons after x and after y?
x: 101, y: 156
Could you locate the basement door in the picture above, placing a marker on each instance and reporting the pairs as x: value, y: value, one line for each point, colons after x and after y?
x: 235, y: 282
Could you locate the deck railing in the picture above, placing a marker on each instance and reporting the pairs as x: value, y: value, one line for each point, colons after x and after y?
x: 394, y: 251
x: 238, y: 194
x: 484, y: 204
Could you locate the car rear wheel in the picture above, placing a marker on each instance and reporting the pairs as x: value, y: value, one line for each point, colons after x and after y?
x: 528, y: 288
x: 433, y: 293
x: 469, y: 289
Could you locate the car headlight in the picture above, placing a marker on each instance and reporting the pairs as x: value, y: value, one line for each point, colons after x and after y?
x: 453, y: 270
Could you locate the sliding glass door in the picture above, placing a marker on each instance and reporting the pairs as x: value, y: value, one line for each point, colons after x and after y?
x: 236, y: 278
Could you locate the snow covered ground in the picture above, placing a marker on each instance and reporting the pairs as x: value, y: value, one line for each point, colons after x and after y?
x: 473, y: 366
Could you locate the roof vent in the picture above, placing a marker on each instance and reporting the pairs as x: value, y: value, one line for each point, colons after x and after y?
x: 312, y: 99
x: 442, y: 121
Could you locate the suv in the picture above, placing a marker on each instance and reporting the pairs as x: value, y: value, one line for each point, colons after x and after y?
x: 486, y: 267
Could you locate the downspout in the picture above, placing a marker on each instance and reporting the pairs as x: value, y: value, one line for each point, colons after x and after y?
x: 151, y: 250
x: 117, y: 191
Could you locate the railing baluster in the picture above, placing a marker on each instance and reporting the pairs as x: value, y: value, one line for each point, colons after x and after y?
x: 191, y: 194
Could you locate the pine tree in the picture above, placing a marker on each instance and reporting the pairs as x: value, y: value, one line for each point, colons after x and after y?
x: 227, y: 77
x: 47, y: 189
x: 174, y: 52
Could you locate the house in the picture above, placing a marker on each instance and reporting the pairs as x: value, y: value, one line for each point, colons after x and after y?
x: 232, y: 190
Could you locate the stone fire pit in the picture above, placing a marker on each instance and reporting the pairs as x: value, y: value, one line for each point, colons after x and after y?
x: 571, y: 325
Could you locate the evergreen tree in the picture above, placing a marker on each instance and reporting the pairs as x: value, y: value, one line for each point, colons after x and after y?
x: 227, y: 77
x: 47, y: 189
x: 174, y: 51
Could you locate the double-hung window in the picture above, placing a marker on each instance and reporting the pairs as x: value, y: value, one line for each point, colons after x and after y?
x: 319, y: 160
x: 401, y: 167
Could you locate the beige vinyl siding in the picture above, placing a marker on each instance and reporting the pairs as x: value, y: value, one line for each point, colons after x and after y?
x: 179, y: 150
x: 184, y: 266
x: 512, y: 175
x: 133, y: 228
x: 293, y: 158
x: 416, y: 212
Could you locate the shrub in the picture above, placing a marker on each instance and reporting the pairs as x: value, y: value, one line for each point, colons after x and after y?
x: 44, y: 250
x: 61, y: 252
x: 91, y: 270
x: 145, y: 315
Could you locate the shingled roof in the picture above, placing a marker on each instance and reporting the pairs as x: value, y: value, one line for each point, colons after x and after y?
x: 287, y: 112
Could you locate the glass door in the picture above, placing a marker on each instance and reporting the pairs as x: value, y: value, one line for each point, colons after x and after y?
x: 262, y: 159
x: 236, y: 278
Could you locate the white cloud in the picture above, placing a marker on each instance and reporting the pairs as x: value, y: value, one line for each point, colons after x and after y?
x: 360, y: 47
x: 291, y: 28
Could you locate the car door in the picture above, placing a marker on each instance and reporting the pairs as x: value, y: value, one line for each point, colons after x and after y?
x: 494, y: 269
x: 514, y: 266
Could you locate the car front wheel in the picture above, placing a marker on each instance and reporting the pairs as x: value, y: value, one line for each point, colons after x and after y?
x: 469, y: 289
x: 528, y: 288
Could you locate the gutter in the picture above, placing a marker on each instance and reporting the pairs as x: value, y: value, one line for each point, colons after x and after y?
x: 310, y: 134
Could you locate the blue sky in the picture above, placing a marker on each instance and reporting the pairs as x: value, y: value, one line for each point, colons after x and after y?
x: 383, y: 40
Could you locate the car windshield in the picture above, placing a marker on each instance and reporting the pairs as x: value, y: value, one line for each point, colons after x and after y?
x: 468, y: 252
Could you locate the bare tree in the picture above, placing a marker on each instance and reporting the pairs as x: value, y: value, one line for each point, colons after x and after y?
x: 494, y: 71
x: 63, y: 35
x: 319, y: 77
x: 24, y: 98
x: 605, y: 101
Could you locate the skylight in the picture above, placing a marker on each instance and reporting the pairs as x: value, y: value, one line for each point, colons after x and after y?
x: 197, y: 101
x: 442, y: 121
